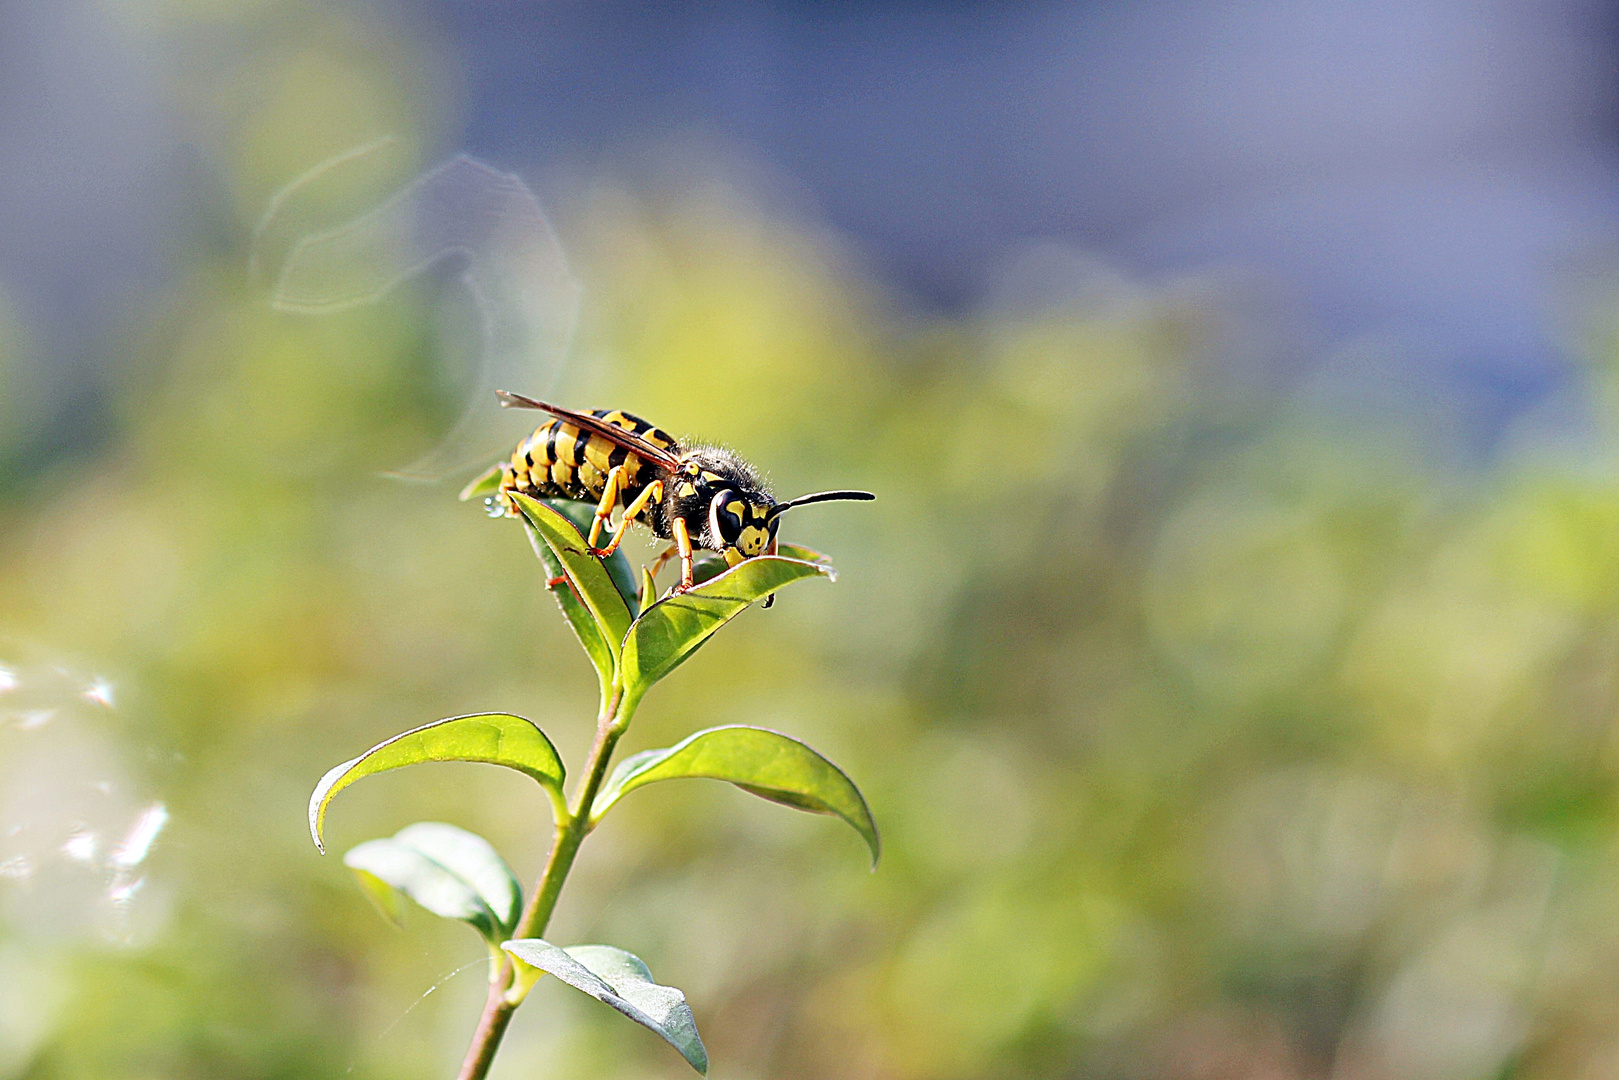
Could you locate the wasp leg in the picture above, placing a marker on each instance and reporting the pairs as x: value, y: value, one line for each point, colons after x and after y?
x: 663, y: 558
x: 609, y: 499
x: 683, y: 547
x: 771, y: 550
x: 653, y: 490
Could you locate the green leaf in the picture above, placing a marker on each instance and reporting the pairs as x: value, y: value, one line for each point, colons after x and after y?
x: 423, y: 880
x: 621, y: 980
x: 449, y: 871
x: 472, y: 859
x: 671, y: 630
x: 486, y: 484
x: 492, y: 738
x: 584, y: 624
x: 583, y: 515
x: 589, y: 577
x: 762, y: 762
x: 649, y: 588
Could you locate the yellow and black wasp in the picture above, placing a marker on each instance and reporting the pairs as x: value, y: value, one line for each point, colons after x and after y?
x: 699, y: 497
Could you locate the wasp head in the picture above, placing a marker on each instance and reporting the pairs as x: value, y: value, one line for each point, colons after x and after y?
x: 726, y: 505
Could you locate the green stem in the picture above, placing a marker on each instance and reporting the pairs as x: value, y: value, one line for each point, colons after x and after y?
x: 504, y: 992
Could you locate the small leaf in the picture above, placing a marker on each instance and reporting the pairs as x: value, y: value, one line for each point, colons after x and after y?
x: 492, y: 738
x: 589, y: 577
x: 486, y: 484
x: 425, y: 881
x: 472, y: 859
x: 621, y: 980
x: 585, y: 626
x: 583, y: 515
x: 671, y: 630
x: 649, y: 589
x: 762, y: 762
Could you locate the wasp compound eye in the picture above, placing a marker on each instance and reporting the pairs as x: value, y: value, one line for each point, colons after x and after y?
x: 725, y: 517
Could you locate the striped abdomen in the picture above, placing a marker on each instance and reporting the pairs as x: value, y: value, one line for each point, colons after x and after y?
x: 559, y: 461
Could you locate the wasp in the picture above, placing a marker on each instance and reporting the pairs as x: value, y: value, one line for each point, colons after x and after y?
x: 700, y: 497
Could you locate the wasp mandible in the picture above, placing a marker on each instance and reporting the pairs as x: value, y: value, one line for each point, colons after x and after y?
x: 699, y: 497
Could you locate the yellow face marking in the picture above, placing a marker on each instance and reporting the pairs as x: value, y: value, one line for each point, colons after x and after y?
x: 735, y: 509
x: 752, y: 541
x: 733, y: 556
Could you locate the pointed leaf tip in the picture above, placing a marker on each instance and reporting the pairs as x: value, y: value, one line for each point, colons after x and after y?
x: 620, y: 979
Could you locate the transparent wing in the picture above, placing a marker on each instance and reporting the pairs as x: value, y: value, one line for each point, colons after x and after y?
x: 514, y: 270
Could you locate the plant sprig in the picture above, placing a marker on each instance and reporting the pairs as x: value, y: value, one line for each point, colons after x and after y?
x: 632, y: 642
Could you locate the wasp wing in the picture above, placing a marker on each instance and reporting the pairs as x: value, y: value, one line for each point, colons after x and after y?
x: 629, y: 440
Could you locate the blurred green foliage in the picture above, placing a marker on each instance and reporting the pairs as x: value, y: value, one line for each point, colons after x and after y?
x: 1214, y: 732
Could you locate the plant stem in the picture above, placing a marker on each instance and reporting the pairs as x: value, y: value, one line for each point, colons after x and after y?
x: 491, y: 1026
x: 565, y: 841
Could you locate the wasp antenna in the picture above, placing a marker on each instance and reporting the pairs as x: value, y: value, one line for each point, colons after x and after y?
x: 518, y: 401
x: 822, y: 496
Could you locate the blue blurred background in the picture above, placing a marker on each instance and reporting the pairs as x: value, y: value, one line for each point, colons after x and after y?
x: 1232, y: 656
